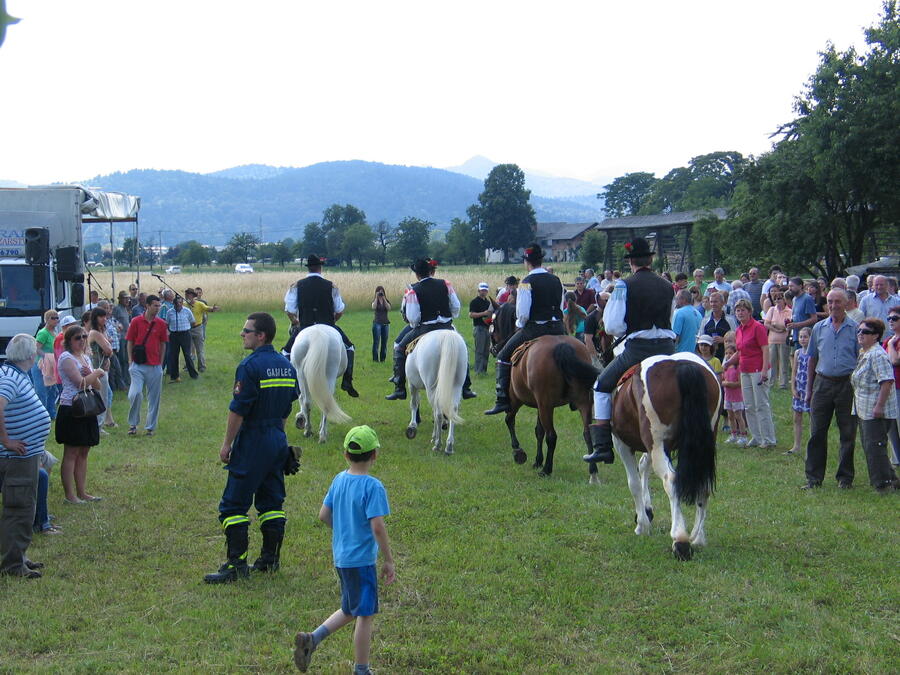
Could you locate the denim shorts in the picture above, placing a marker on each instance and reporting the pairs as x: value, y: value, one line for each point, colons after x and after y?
x: 359, y: 590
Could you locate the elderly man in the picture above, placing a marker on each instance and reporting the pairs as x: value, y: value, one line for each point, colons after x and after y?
x: 832, y: 350
x: 754, y: 290
x: 168, y: 303
x: 738, y: 293
x: 24, y: 427
x: 719, y: 283
x: 877, y: 303
x: 590, y: 281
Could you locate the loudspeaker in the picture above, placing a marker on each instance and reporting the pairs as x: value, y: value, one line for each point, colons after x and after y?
x: 66, y: 263
x: 37, y: 246
x: 77, y: 295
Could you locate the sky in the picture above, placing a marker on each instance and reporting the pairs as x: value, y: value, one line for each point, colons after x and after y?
x: 589, y: 90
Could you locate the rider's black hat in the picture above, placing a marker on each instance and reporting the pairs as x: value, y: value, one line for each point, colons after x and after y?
x: 312, y: 260
x: 534, y: 254
x: 423, y: 267
x: 638, y: 248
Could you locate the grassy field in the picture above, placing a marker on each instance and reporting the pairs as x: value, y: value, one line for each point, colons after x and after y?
x: 498, y: 570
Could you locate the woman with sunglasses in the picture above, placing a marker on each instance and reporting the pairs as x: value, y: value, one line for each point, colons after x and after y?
x: 892, y: 347
x: 77, y: 435
x: 43, y: 373
x: 875, y: 403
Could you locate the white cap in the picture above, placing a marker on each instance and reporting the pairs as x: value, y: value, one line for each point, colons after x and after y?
x: 67, y: 320
x: 483, y: 286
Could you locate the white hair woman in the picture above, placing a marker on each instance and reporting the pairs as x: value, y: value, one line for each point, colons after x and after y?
x: 24, y: 427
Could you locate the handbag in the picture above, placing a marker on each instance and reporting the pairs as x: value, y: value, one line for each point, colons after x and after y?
x: 139, y: 352
x: 88, y: 403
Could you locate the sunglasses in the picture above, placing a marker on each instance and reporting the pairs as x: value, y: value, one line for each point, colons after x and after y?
x: 80, y: 337
x: 894, y: 318
x: 247, y: 331
x: 865, y: 331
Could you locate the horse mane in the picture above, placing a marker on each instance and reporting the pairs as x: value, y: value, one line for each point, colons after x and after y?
x: 505, y: 319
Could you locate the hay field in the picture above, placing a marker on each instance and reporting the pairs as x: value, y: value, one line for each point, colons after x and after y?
x: 266, y: 288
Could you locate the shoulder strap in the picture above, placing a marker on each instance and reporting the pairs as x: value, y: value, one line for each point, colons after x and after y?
x: 149, y: 330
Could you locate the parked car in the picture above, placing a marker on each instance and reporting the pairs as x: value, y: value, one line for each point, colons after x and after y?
x: 173, y: 269
x: 243, y: 268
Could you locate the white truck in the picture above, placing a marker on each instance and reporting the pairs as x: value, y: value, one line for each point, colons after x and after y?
x: 42, y: 251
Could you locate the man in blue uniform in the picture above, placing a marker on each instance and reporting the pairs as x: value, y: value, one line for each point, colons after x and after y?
x: 255, y: 450
x: 640, y: 308
x: 431, y: 304
x: 314, y: 300
x: 539, y: 311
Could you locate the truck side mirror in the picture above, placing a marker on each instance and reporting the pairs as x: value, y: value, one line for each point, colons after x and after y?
x: 77, y: 295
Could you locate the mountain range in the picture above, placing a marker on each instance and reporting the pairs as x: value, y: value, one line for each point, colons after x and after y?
x: 277, y: 202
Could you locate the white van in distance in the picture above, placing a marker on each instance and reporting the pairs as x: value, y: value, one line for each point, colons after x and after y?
x: 243, y: 268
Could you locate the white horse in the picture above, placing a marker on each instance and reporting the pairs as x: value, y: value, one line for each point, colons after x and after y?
x: 437, y: 365
x: 319, y: 357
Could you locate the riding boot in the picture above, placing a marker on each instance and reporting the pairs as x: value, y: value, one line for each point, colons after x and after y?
x: 400, y: 377
x: 347, y: 381
x: 601, y: 441
x: 269, y: 556
x: 502, y: 404
x: 467, y: 387
x: 236, y: 566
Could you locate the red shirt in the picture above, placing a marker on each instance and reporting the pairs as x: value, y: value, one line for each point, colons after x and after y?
x: 137, y: 334
x: 751, y: 339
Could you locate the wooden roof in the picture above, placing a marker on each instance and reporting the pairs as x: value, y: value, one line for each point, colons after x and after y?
x: 662, y: 220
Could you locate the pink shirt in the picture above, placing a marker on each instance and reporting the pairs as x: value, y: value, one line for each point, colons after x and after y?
x: 733, y: 394
x: 776, y: 318
x: 751, y: 338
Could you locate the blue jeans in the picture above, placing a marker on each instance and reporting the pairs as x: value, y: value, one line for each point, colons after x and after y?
x: 41, y: 516
x: 379, y: 340
x: 46, y: 395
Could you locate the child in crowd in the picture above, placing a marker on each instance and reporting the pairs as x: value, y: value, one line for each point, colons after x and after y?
x: 707, y: 351
x: 354, y: 508
x: 799, y: 378
x: 734, y: 400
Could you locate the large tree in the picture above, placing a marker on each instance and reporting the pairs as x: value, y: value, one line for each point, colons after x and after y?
x: 503, y: 215
x: 336, y: 220
x: 411, y: 242
x: 463, y: 243
x: 243, y: 245
x: 626, y: 194
x: 708, y: 181
x: 193, y: 253
x: 358, y: 244
x: 830, y: 183
x: 313, y: 241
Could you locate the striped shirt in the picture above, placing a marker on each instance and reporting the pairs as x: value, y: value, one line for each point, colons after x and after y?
x: 26, y: 418
x: 180, y: 320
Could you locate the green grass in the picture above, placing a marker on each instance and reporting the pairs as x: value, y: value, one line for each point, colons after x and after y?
x: 498, y: 570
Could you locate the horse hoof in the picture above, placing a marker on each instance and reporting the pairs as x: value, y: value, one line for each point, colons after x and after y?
x: 649, y: 513
x: 410, y: 432
x: 519, y: 456
x: 300, y: 421
x: 436, y: 448
x: 543, y: 474
x: 594, y: 479
x: 682, y: 550
x: 307, y: 433
x: 537, y: 465
x: 448, y: 450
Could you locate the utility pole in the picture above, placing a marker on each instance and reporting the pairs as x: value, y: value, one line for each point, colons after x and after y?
x: 159, y: 232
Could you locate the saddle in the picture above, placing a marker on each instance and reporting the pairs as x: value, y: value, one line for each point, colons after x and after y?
x: 627, y: 375
x: 413, y: 343
x: 519, y: 352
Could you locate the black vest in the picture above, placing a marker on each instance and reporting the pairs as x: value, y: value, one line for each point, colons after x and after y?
x: 546, y: 296
x: 434, y: 299
x: 648, y: 302
x: 314, y: 301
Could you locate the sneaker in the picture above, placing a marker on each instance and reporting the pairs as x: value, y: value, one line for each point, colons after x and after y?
x: 303, y: 650
x: 753, y: 443
x: 811, y: 485
x: 742, y: 441
x: 732, y: 439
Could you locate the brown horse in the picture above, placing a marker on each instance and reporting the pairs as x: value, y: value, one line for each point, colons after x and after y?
x: 555, y: 370
x: 670, y: 408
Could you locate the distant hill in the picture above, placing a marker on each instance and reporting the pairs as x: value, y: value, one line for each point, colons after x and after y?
x: 212, y: 207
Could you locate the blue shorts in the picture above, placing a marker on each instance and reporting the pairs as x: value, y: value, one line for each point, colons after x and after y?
x: 359, y: 590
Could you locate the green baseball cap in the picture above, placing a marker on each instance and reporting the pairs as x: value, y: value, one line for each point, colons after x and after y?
x: 361, y: 439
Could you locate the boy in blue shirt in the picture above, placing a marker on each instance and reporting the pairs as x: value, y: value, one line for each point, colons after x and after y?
x: 354, y: 508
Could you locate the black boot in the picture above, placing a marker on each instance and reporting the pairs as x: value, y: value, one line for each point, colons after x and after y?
x: 399, y: 377
x: 502, y: 404
x: 269, y: 556
x: 601, y: 441
x: 467, y: 392
x: 347, y: 382
x: 236, y: 547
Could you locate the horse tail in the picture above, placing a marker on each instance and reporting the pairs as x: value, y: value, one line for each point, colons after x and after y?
x: 573, y: 368
x: 315, y: 373
x: 452, y: 353
x: 695, y: 475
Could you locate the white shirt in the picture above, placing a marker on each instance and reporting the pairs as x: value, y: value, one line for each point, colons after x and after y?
x: 290, y: 298
x: 614, y: 317
x: 523, y: 301
x: 414, y: 312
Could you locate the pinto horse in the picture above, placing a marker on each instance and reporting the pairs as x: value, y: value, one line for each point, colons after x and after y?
x: 319, y: 357
x: 437, y: 365
x: 555, y: 370
x: 669, y: 408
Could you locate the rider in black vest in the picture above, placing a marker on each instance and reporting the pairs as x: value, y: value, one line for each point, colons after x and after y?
x: 640, y: 308
x: 539, y: 311
x: 313, y: 300
x: 431, y: 304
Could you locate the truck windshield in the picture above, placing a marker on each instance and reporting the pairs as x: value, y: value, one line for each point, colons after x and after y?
x: 18, y: 296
